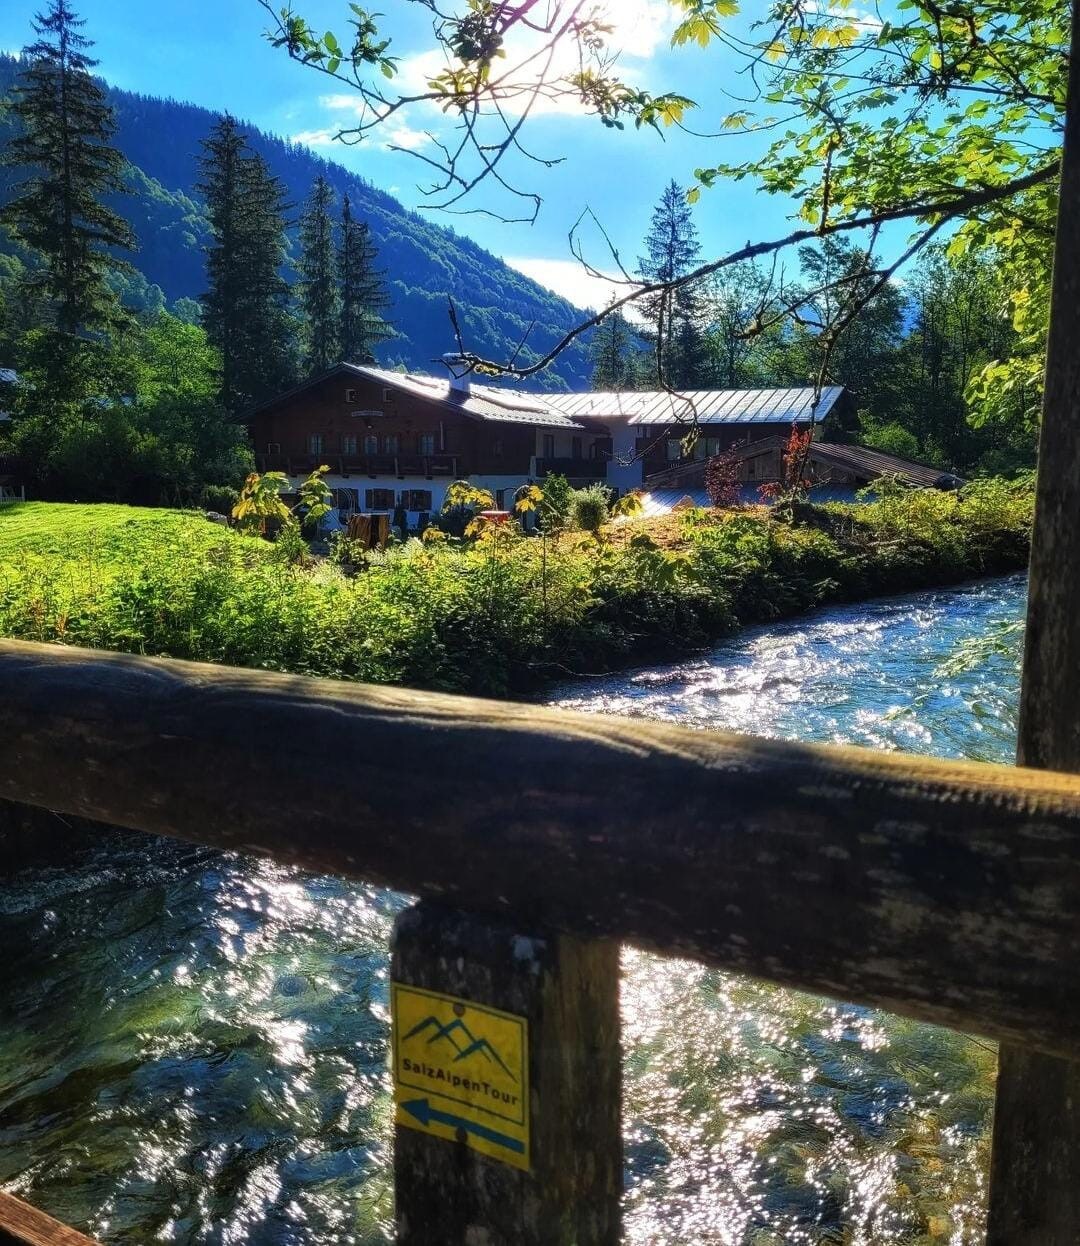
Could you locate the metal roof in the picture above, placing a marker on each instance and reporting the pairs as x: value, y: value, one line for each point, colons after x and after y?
x: 862, y: 461
x: 873, y: 464
x: 715, y: 406
x: 497, y: 404
x: 8, y: 376
x: 482, y: 402
x: 486, y: 402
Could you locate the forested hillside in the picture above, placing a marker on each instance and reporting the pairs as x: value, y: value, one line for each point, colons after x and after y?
x: 424, y: 262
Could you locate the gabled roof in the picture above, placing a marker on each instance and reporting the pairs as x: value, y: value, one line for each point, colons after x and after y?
x: 862, y: 461
x: 483, y: 402
x: 865, y: 464
x: 873, y: 464
x: 716, y: 406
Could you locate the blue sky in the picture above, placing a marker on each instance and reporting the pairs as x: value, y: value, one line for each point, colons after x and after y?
x: 211, y: 52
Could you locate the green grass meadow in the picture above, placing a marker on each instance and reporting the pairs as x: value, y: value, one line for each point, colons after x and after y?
x: 500, y: 615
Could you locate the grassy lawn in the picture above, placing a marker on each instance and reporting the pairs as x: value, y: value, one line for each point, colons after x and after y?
x: 499, y: 615
x: 75, y: 532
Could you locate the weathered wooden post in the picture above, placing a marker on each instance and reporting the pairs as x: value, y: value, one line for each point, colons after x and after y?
x: 1035, y: 1177
x: 507, y: 1081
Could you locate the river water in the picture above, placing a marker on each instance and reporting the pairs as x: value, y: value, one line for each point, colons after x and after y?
x: 193, y: 1045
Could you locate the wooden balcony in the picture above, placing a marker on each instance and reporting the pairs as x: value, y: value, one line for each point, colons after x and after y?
x: 372, y: 465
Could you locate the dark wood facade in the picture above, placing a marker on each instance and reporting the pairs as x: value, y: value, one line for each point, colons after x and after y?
x: 363, y: 426
x: 660, y: 448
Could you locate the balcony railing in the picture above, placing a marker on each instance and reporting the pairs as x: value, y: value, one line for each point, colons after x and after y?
x: 400, y: 465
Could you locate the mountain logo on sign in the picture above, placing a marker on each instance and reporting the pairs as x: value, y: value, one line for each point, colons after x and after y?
x: 451, y: 1032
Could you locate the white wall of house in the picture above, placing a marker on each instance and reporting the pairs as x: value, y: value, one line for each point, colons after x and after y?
x: 562, y: 443
x: 356, y: 488
x: 623, y: 473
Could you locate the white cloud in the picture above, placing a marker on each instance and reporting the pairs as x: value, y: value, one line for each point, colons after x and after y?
x: 343, y: 103
x: 846, y: 12
x: 638, y: 29
x: 641, y: 26
x: 397, y: 132
x: 403, y: 135
x: 571, y: 280
x: 315, y: 138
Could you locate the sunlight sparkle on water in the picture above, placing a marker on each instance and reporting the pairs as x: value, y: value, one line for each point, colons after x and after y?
x: 228, y: 1080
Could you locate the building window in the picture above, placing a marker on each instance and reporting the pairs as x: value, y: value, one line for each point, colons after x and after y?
x: 500, y: 499
x: 497, y: 447
x: 315, y: 443
x: 350, y: 395
x: 549, y: 445
x: 390, y: 443
x: 674, y: 450
x: 379, y: 499
x: 416, y: 499
x: 348, y: 443
x: 575, y: 447
x: 371, y: 443
x: 347, y: 501
x: 425, y: 444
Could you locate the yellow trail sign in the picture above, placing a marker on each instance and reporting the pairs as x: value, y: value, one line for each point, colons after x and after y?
x: 461, y: 1072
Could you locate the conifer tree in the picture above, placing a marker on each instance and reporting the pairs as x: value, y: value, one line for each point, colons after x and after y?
x: 245, y: 309
x: 269, y: 360
x: 64, y: 146
x: 672, y: 248
x: 613, y: 354
x: 320, y: 301
x: 363, y: 294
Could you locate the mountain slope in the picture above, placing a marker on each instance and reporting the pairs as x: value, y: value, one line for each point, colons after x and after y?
x: 424, y: 262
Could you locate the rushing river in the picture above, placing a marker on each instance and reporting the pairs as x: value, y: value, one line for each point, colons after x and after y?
x: 193, y: 1045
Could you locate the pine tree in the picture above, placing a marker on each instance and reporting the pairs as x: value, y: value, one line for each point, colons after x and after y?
x: 65, y: 144
x: 221, y: 165
x: 245, y: 309
x: 672, y: 247
x: 613, y: 354
x: 320, y: 301
x: 363, y: 294
x: 269, y: 362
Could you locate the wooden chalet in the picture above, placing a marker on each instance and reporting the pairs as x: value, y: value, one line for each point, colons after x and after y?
x: 397, y: 440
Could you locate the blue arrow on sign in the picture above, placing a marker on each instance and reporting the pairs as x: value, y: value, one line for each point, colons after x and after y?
x: 421, y: 1110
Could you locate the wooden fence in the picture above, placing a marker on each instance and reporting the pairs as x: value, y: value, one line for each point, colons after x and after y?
x: 537, y: 839
x: 944, y: 891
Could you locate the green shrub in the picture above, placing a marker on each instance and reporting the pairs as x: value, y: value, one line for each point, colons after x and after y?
x: 493, y: 616
x: 589, y: 508
x: 219, y: 498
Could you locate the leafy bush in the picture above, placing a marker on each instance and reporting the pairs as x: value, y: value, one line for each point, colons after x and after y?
x: 556, y: 504
x: 893, y: 438
x: 218, y: 498
x: 589, y: 508
x: 494, y: 616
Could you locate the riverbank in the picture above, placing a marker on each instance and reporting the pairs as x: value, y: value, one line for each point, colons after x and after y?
x: 501, y: 616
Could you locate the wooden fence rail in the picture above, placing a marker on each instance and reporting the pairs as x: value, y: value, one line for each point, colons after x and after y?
x: 947, y: 892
